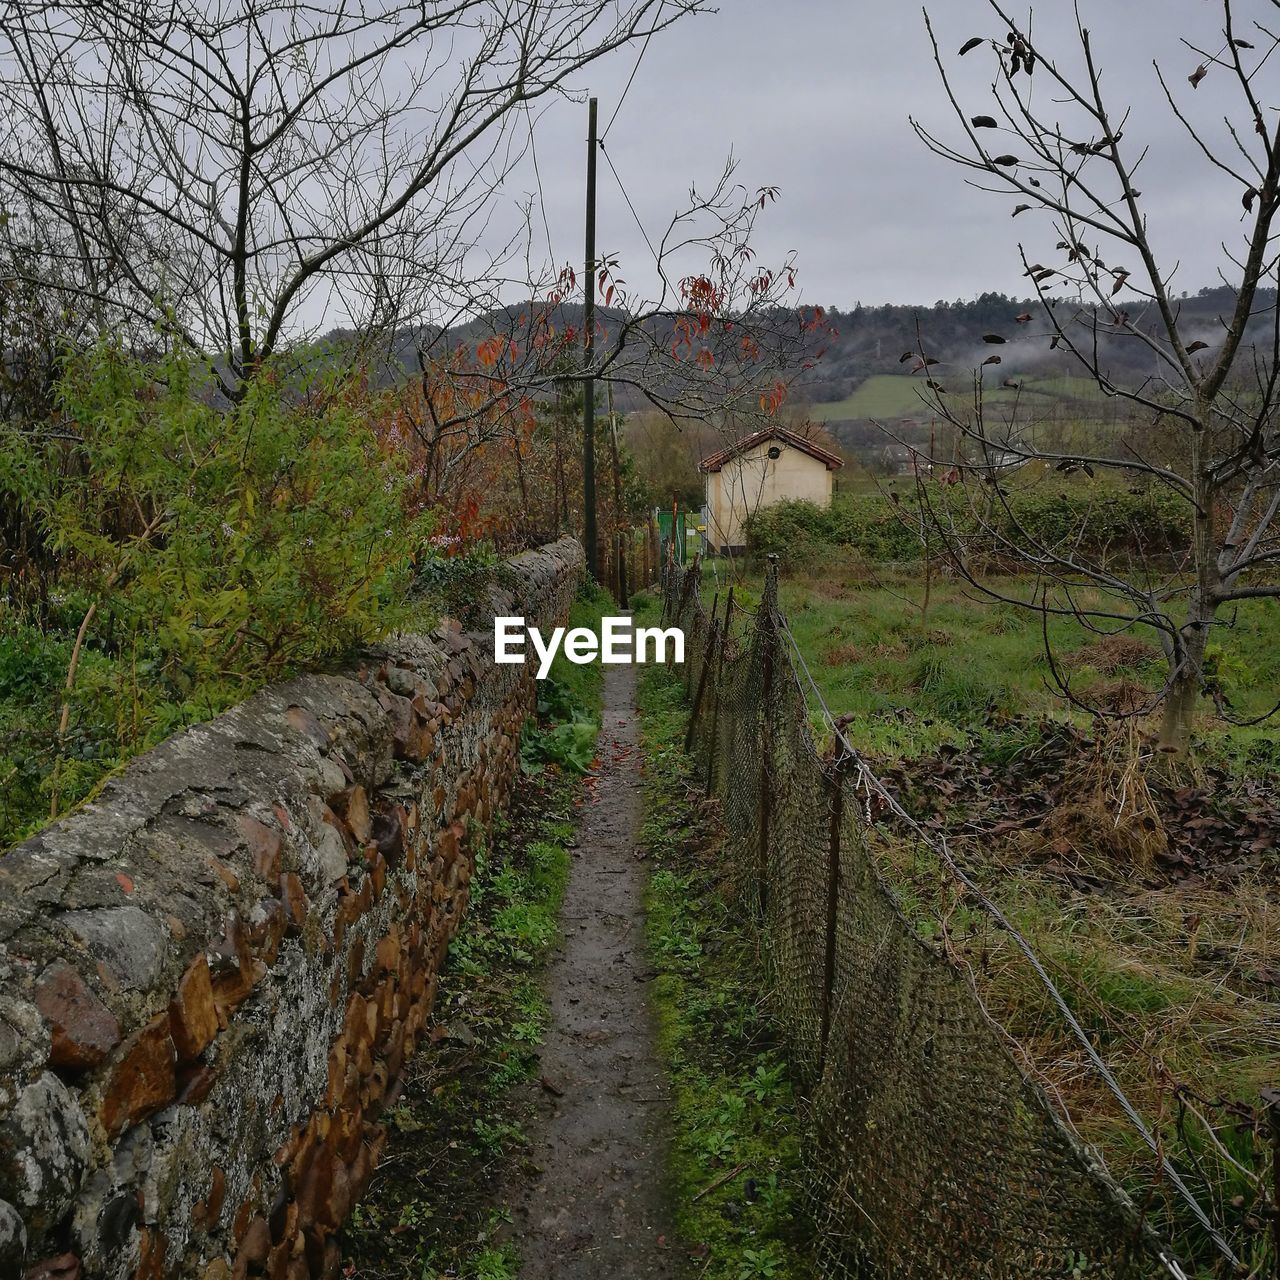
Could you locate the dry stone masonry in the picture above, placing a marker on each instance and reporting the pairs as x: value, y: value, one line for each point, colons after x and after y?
x: 212, y: 976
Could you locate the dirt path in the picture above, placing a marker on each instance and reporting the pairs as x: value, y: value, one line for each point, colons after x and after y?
x: 589, y: 1201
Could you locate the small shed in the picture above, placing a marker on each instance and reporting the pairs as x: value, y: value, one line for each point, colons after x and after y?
x: 770, y: 466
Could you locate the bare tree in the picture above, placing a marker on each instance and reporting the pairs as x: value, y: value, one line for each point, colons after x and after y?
x: 237, y: 176
x: 1059, y: 148
x: 225, y: 169
x: 716, y: 341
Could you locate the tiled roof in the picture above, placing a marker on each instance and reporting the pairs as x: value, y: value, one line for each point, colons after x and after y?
x: 717, y: 460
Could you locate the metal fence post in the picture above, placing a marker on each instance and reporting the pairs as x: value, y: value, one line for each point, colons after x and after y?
x: 702, y: 683
x: 717, y: 691
x: 837, y: 776
x: 767, y: 630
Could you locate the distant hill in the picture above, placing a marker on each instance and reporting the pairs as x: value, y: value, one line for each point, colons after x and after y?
x: 872, y: 340
x: 858, y: 376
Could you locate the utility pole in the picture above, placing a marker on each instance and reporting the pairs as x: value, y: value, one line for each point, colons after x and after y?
x: 589, y: 385
x: 621, y: 534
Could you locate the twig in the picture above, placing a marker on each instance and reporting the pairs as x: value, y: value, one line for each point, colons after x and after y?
x: 65, y: 718
x: 720, y: 1181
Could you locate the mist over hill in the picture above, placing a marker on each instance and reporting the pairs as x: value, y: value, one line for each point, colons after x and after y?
x: 861, y: 377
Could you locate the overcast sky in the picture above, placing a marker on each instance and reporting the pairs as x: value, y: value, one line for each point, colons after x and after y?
x: 814, y: 95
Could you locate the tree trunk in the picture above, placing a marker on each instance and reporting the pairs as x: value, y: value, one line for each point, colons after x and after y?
x: 1183, y: 697
x: 1179, y: 715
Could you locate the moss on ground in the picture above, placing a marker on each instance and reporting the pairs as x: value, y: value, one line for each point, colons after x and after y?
x: 736, y: 1173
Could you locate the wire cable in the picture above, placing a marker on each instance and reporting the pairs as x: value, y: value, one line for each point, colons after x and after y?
x: 657, y: 260
x: 631, y: 78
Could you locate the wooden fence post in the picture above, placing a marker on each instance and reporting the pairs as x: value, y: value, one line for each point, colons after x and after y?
x: 686, y: 583
x: 693, y: 579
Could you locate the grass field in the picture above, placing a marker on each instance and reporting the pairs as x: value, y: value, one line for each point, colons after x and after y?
x: 1171, y: 966
x: 912, y: 680
x: 892, y: 395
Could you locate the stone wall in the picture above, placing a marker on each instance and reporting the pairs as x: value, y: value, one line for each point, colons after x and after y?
x: 212, y: 976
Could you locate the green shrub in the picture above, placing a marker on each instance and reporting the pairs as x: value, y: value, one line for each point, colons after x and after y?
x: 571, y: 744
x: 224, y: 542
x: 460, y: 584
x: 205, y: 549
x: 1093, y: 519
x: 798, y: 531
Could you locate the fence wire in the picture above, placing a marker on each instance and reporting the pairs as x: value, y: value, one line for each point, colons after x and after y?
x: 934, y: 1154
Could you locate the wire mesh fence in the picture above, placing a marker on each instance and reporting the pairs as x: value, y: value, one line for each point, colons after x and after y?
x: 934, y: 1153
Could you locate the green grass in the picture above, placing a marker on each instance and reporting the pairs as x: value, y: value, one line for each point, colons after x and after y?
x: 1161, y: 974
x: 912, y: 681
x: 736, y: 1173
x: 896, y: 395
x: 584, y: 684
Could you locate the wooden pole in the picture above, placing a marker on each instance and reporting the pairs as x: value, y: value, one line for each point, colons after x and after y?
x: 715, y: 709
x: 769, y: 641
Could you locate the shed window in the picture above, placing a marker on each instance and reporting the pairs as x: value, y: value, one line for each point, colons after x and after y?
x: 774, y: 452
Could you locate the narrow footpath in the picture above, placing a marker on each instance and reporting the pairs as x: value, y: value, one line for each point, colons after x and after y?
x: 588, y: 1201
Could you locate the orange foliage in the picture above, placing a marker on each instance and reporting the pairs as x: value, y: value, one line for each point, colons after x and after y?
x: 464, y: 442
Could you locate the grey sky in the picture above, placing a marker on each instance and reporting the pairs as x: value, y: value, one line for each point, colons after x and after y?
x: 813, y: 96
